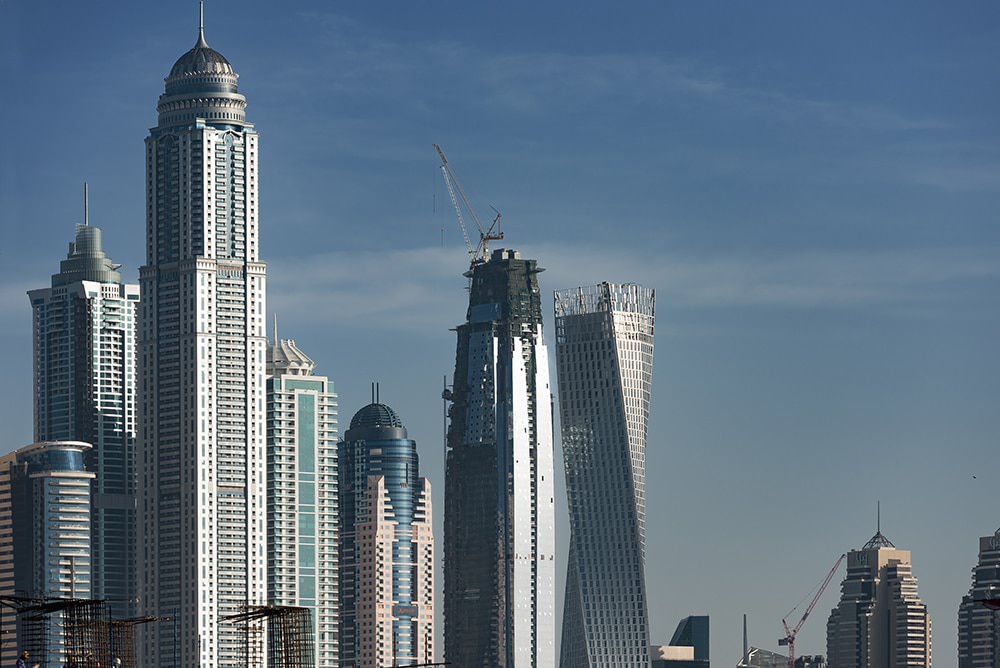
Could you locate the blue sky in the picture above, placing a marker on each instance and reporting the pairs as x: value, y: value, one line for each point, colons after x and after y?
x: 811, y: 188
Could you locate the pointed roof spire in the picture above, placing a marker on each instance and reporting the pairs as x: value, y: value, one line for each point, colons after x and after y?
x: 201, y: 24
x: 878, y: 540
x: 86, y: 206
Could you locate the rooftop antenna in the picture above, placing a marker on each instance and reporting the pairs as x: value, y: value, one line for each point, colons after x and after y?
x: 878, y: 516
x: 201, y: 19
x: 373, y: 392
x: 276, y: 339
x: 86, y: 206
x: 377, y: 399
x: 746, y: 646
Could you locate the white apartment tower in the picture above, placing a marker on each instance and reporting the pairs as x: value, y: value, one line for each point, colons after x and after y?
x: 202, y: 342
x: 302, y: 493
x: 880, y: 621
x: 604, y: 362
x: 499, y: 524
x: 978, y: 625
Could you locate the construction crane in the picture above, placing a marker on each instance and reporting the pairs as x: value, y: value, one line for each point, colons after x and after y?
x: 481, y: 252
x: 790, y: 634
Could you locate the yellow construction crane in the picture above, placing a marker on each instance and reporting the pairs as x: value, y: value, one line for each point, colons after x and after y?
x: 481, y: 252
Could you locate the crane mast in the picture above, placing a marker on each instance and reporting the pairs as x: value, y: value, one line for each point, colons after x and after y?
x: 790, y: 634
x: 481, y: 252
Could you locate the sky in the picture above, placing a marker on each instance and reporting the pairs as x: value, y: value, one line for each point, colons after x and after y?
x: 811, y: 188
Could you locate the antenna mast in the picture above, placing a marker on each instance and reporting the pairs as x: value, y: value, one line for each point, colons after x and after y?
x: 86, y: 205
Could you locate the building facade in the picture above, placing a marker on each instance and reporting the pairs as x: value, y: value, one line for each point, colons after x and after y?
x: 202, y: 343
x: 499, y: 552
x: 880, y: 621
x: 302, y: 496
x: 604, y: 362
x: 979, y: 626
x: 387, y: 542
x: 45, y: 500
x: 84, y: 369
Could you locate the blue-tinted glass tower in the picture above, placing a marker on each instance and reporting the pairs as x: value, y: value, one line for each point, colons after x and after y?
x: 387, y: 548
x: 84, y: 366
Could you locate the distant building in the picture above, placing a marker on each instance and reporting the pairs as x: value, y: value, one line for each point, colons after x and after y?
x: 807, y: 661
x: 499, y: 523
x: 84, y: 368
x: 978, y: 626
x: 45, y: 495
x: 761, y: 658
x: 302, y: 493
x: 688, y: 647
x: 880, y: 621
x: 670, y: 656
x: 693, y: 632
x: 387, y: 545
x: 604, y: 362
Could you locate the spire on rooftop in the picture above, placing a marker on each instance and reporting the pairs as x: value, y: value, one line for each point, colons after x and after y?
x: 201, y: 25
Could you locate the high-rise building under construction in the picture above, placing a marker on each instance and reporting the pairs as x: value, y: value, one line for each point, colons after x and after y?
x: 604, y: 363
x: 499, y: 553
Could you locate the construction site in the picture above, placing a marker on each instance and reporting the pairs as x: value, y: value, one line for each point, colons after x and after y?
x: 81, y: 633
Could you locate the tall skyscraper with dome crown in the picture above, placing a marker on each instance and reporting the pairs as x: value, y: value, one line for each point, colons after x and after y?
x: 201, y: 443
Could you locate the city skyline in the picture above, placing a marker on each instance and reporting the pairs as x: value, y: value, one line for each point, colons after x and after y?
x: 839, y: 312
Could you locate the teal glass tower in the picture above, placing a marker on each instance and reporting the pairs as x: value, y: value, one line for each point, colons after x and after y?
x: 302, y: 500
x: 387, y: 567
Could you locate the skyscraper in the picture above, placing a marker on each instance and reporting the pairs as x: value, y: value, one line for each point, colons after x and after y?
x: 84, y: 377
x: 499, y: 552
x: 201, y: 442
x: 45, y: 495
x: 979, y: 626
x: 604, y: 362
x: 302, y: 496
x: 387, y: 569
x: 880, y: 621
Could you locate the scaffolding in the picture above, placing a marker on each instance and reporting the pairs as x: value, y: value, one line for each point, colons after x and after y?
x: 70, y: 631
x: 290, y: 642
x: 122, y: 640
x: 59, y: 632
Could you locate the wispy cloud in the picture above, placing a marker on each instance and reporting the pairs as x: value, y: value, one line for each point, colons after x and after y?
x: 360, y: 59
x: 421, y: 289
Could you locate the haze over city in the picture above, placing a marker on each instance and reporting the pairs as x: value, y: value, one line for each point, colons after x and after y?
x: 810, y: 189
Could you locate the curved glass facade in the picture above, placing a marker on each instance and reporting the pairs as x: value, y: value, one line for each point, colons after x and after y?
x: 386, y: 544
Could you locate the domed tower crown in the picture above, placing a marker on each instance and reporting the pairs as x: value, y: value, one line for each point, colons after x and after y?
x: 201, y: 84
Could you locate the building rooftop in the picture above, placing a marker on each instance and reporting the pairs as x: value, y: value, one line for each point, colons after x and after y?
x: 376, y: 415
